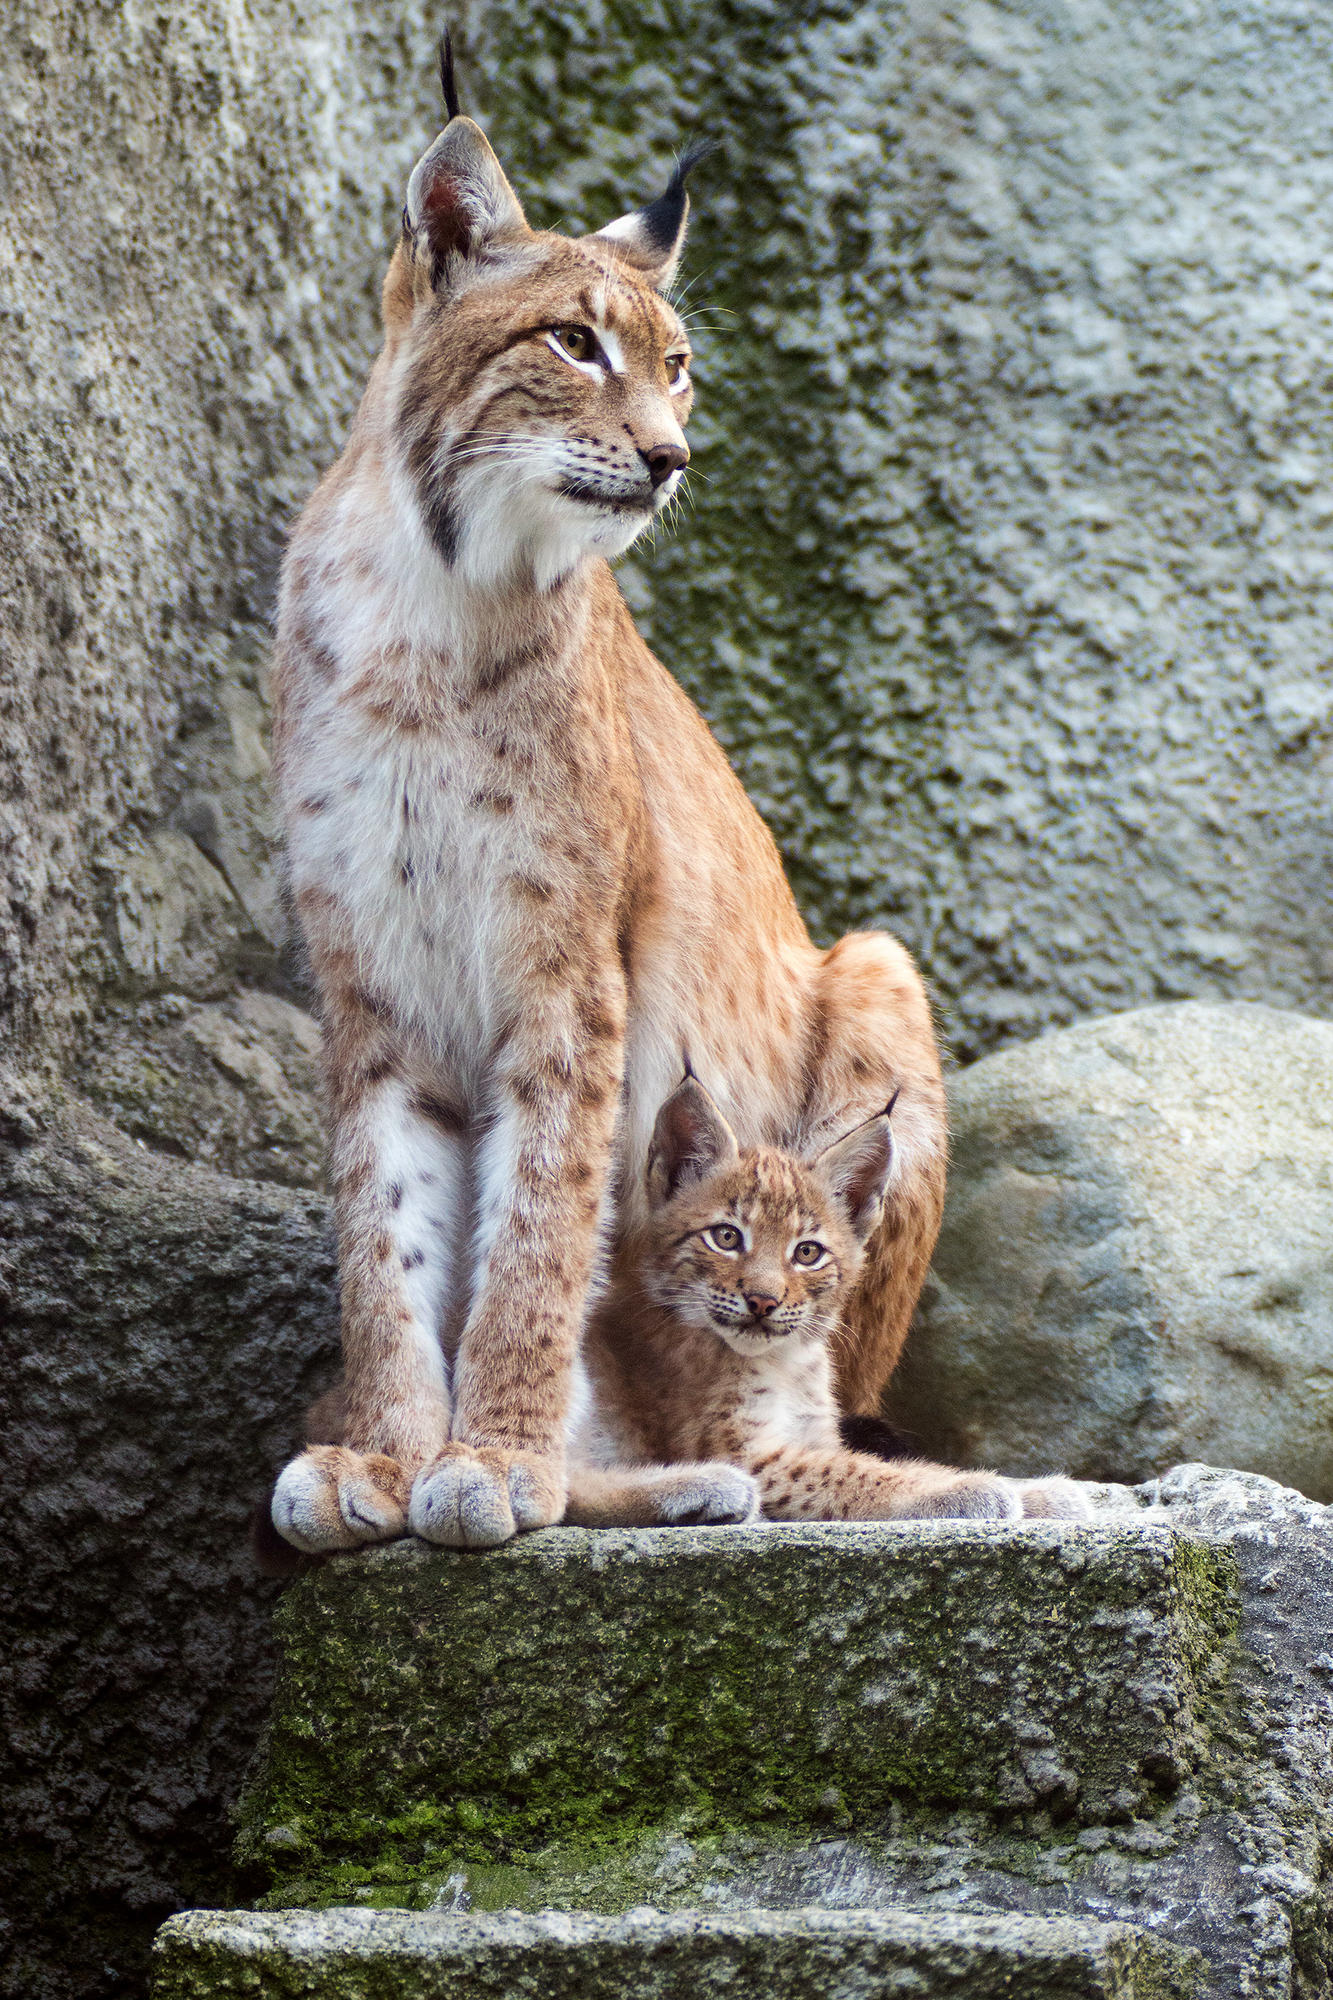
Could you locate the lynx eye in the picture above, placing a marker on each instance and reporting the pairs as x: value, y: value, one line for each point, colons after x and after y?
x: 808, y: 1253
x: 676, y: 365
x: 724, y: 1236
x: 578, y: 342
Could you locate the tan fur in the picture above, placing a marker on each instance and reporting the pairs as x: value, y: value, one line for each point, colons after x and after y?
x: 702, y: 1352
x: 527, y: 877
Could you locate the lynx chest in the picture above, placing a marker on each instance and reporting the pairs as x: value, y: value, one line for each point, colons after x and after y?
x: 455, y: 863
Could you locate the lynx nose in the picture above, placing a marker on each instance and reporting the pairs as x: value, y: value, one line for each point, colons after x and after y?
x: 664, y: 459
x: 760, y: 1304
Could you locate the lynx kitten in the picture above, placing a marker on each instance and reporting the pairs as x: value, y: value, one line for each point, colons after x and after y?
x: 725, y: 1349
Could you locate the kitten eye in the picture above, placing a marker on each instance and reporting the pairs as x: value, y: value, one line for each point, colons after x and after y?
x: 809, y: 1253
x: 676, y: 364
x: 723, y: 1236
x: 579, y: 342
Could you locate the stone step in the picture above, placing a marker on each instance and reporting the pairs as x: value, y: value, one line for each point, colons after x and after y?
x: 575, y: 1693
x: 345, y: 1954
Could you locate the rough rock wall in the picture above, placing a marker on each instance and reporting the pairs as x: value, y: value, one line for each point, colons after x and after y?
x: 197, y: 205
x: 1004, y: 585
x: 172, y: 1323
x: 1006, y: 579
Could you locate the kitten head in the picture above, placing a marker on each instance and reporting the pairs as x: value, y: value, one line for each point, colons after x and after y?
x: 757, y: 1246
x: 541, y: 383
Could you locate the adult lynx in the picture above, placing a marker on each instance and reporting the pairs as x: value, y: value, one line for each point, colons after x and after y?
x: 719, y: 1357
x: 527, y: 877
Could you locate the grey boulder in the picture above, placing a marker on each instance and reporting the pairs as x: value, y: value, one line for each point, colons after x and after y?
x: 1136, y: 1265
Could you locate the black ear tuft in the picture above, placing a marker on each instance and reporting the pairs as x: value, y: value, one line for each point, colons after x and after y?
x: 661, y: 220
x: 448, y: 87
x: 650, y: 239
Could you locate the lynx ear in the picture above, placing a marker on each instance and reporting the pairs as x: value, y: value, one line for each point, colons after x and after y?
x: 651, y: 239
x: 458, y: 199
x: 854, y: 1171
x: 690, y: 1139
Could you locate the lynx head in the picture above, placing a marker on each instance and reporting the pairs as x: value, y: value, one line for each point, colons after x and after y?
x: 539, y: 384
x: 756, y: 1245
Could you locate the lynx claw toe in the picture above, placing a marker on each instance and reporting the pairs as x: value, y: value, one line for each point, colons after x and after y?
x: 536, y: 1498
x: 477, y: 1499
x: 711, y: 1496
x: 331, y: 1498
x: 459, y: 1503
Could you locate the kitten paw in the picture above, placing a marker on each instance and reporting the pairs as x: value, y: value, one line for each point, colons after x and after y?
x: 470, y: 1499
x: 708, y: 1496
x: 1054, y: 1499
x: 331, y: 1498
x: 969, y: 1496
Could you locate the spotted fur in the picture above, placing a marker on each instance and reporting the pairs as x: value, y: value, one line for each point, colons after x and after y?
x: 526, y: 875
x: 724, y: 1352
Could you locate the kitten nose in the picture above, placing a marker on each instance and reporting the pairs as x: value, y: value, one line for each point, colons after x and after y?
x: 760, y: 1304
x: 664, y: 459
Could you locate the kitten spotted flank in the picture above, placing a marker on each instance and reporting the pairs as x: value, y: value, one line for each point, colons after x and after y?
x: 527, y: 877
x: 725, y: 1348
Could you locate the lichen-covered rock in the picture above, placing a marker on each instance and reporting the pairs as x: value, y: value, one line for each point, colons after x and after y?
x: 1234, y: 1865
x: 161, y: 1328
x: 1136, y: 1264
x: 806, y: 1955
x: 231, y: 1084
x: 581, y: 1690
x: 1006, y: 578
x: 197, y: 209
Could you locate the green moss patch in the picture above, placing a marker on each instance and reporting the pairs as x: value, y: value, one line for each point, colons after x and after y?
x: 589, y: 1690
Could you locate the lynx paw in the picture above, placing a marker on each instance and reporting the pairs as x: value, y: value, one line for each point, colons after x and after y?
x: 331, y: 1498
x: 1053, y: 1499
x: 708, y: 1496
x: 968, y: 1496
x: 477, y: 1499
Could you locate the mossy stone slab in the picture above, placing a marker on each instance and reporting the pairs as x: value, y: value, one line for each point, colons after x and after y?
x: 584, y: 1688
x: 791, y: 1955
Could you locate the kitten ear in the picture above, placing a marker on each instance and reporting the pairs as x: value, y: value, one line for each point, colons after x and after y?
x: 854, y: 1171
x: 691, y: 1139
x: 458, y: 199
x: 651, y: 239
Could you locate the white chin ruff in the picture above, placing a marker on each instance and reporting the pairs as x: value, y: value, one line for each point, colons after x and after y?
x: 545, y: 533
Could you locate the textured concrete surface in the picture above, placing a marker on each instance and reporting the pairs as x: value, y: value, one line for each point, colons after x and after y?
x: 1005, y: 580
x: 1234, y: 1864
x: 1007, y: 577
x: 805, y: 1955
x: 197, y: 207
x: 587, y: 1688
x: 1136, y: 1264
x: 1006, y: 586
x: 160, y: 1330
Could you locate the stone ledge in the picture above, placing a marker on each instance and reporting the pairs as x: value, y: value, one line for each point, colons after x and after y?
x: 581, y: 1690
x: 792, y: 1955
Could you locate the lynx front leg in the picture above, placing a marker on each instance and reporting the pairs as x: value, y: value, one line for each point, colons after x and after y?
x: 661, y: 1496
x: 800, y: 1485
x: 399, y: 1167
x: 542, y: 1174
